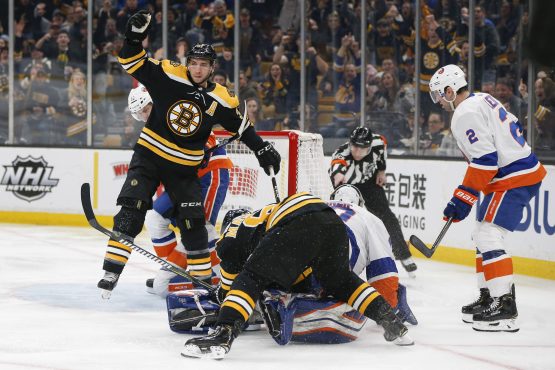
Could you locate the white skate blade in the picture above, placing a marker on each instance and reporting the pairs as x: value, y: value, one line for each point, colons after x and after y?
x: 106, y: 294
x: 405, y: 340
x: 194, y: 351
x: 467, y: 318
x: 411, y: 274
x: 508, y: 325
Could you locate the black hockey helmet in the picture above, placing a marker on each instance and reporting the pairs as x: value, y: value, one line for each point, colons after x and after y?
x: 362, y: 137
x: 202, y: 51
x: 231, y: 215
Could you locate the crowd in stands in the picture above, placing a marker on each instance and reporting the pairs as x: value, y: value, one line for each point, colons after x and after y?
x: 51, y: 59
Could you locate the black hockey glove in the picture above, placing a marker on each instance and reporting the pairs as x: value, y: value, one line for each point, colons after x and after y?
x: 137, y: 27
x: 268, y: 157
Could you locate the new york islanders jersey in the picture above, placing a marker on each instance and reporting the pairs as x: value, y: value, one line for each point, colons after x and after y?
x: 369, y: 248
x: 183, y: 113
x: 491, y: 139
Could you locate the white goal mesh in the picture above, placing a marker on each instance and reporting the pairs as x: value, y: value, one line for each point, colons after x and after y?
x: 303, y: 168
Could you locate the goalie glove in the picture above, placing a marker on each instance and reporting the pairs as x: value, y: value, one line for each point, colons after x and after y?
x: 460, y: 205
x: 137, y: 27
x: 268, y: 157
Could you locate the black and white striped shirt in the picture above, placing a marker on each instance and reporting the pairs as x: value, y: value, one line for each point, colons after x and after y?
x: 359, y: 172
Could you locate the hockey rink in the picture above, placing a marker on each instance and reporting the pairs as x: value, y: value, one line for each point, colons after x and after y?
x: 52, y: 317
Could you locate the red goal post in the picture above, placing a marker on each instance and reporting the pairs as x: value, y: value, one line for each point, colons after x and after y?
x: 303, y: 168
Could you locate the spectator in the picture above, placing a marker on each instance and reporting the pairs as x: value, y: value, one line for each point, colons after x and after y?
x: 247, y: 89
x: 386, y: 45
x: 288, y: 54
x: 225, y: 63
x: 73, y: 107
x: 334, y: 32
x: 39, y: 23
x: 347, y: 95
x: 217, y: 24
x: 514, y: 104
x: 41, y: 126
x: 130, y: 8
x: 386, y: 98
x: 220, y: 77
x: 64, y: 57
x: 182, y: 46
x: 249, y: 39
x: 274, y: 92
x: 256, y: 117
x: 435, y: 133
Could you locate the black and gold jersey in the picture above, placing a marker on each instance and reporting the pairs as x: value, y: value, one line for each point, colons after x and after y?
x: 183, y: 113
x: 244, y: 233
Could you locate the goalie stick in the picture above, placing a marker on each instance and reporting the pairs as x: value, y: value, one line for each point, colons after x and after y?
x: 423, y: 248
x: 124, y: 239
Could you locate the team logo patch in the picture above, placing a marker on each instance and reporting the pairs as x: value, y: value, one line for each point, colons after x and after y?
x: 29, y: 178
x: 184, y: 118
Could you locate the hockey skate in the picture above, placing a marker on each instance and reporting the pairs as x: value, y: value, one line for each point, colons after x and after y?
x: 410, y: 266
x: 213, y: 346
x: 395, y: 330
x: 479, y: 305
x: 108, y: 283
x: 501, y: 315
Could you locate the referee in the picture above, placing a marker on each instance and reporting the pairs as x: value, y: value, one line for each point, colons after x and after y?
x: 361, y: 162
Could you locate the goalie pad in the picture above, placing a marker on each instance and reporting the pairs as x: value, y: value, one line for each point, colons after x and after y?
x: 306, y: 318
x: 191, y: 311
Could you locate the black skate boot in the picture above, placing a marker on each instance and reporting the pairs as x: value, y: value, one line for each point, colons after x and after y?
x: 479, y: 305
x: 108, y: 283
x: 395, y: 330
x: 215, y: 345
x: 501, y: 315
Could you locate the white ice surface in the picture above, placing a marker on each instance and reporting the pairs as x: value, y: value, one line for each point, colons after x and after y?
x: 52, y: 317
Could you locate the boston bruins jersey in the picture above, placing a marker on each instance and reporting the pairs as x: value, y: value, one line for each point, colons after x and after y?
x: 183, y: 113
x: 242, y: 236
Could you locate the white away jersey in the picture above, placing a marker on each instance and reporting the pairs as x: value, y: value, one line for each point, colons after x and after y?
x: 370, y: 247
x: 491, y: 139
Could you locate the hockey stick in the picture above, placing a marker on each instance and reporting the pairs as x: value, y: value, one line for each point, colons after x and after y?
x: 274, y: 184
x: 245, y: 123
x: 124, y: 239
x: 423, y: 248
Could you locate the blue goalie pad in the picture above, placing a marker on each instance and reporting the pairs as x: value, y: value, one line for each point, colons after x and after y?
x: 325, y: 321
x: 191, y: 311
x: 403, y: 310
x: 306, y: 318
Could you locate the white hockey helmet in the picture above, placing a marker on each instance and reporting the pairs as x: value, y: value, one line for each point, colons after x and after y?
x: 449, y: 75
x: 349, y: 194
x: 137, y: 100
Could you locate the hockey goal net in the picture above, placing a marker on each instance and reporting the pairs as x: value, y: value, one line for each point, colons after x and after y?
x: 303, y: 168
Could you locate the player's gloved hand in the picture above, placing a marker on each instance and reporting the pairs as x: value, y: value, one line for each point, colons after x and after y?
x: 217, y: 295
x: 137, y: 27
x: 460, y: 205
x: 108, y: 283
x: 268, y: 157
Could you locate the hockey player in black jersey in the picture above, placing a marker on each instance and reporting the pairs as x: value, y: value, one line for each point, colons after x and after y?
x: 278, y: 246
x: 170, y: 148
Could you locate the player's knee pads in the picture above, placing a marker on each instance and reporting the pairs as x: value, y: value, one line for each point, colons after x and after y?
x: 488, y: 237
x: 157, y: 225
x: 129, y: 221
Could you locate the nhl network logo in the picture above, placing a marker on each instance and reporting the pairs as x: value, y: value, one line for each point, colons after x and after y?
x: 28, y: 178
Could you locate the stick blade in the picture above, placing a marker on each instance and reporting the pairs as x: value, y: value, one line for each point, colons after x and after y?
x: 86, y: 201
x: 421, y: 247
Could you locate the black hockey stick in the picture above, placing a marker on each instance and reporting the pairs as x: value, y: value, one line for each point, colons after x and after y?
x: 274, y: 184
x: 124, y: 239
x: 423, y: 248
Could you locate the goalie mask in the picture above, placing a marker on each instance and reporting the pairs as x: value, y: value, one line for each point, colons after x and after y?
x: 349, y: 194
x: 138, y: 99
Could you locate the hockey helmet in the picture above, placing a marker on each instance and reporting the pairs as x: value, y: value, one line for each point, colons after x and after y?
x: 349, y: 194
x: 361, y: 137
x: 202, y: 51
x: 448, y: 76
x: 231, y: 215
x: 137, y: 100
